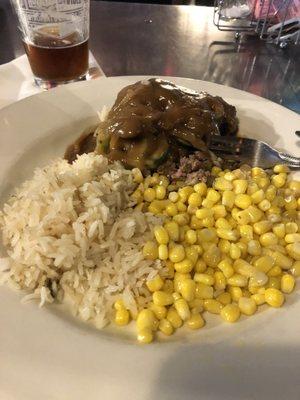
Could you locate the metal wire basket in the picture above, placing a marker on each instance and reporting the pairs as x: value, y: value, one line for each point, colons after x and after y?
x: 276, y: 21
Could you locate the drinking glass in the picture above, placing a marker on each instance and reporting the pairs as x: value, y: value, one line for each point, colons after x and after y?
x: 55, y: 35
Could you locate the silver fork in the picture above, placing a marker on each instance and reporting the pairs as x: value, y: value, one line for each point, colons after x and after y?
x: 250, y: 151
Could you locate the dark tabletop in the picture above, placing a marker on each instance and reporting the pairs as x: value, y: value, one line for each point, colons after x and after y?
x: 148, y: 39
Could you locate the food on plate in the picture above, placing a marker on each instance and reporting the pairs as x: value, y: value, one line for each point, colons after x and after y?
x: 156, y: 123
x: 163, y: 244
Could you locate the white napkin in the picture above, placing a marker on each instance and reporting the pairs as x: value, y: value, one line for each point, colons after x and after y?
x: 16, y: 79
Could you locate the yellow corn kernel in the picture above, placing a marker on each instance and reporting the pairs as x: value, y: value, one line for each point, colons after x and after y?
x: 252, y: 188
x: 206, y: 235
x: 219, y: 211
x: 237, y: 280
x: 211, y: 255
x: 122, y: 317
x: 200, y: 266
x: 160, y: 192
x: 228, y: 198
x: 226, y: 267
x: 196, y: 305
x: 242, y: 201
x: 173, y: 197
x: 246, y: 231
x: 291, y: 227
x: 274, y: 282
x: 274, y: 297
x: 263, y: 182
x: 182, y: 308
x: 215, y: 171
x: 181, y: 206
x: 171, y: 210
x: 173, y: 230
x: 264, y: 205
x: 163, y: 252
x: 166, y: 327
x: 213, y: 306
x: 222, y: 184
x: 247, y: 305
x: 203, y: 291
x: 204, y: 213
x: 287, y: 283
x: 145, y: 336
x: 293, y: 250
x: 222, y: 223
x: 294, y: 186
x: 227, y: 234
x: 176, y: 296
x: 191, y: 236
x: 275, y: 271
x: 195, y: 199
x: 271, y: 193
x: 292, y: 237
x: 268, y: 239
x: 163, y: 181
x: 264, y: 263
x: 235, y: 292
x: 161, y: 235
x: 224, y: 246
x: 254, y: 213
x: 174, y: 318
x: 204, y: 278
x: 160, y: 312
x: 185, y: 192
x: 177, y: 253
x: 192, y: 253
x: 259, y: 298
x: 282, y: 260
x: 242, y: 267
x: 295, y: 269
x: 240, y: 186
x: 213, y: 195
x: 242, y: 217
x: 279, y: 180
x: 150, y: 250
x: 184, y: 266
x: 145, y: 319
x: 149, y: 195
x: 195, y: 321
x: 195, y: 223
x: 254, y: 248
x: 224, y: 298
x: 181, y: 219
x: 258, y: 279
x: 279, y: 230
x: 281, y: 168
x: 208, y: 222
x: 257, y: 171
x: 235, y: 252
x: 262, y: 227
x: 258, y: 196
x: 188, y: 289
x: 119, y: 304
x: 200, y: 188
x: 220, y: 280
x: 155, y: 284
x: 230, y: 313
x: 137, y: 175
x: 191, y: 210
x: 161, y: 298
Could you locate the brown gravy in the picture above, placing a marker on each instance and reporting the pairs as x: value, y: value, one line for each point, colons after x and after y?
x: 152, y: 119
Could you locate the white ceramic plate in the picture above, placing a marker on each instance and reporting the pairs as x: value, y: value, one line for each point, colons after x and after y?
x: 44, y: 354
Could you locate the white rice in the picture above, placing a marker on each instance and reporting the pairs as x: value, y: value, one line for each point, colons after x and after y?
x: 72, y: 236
